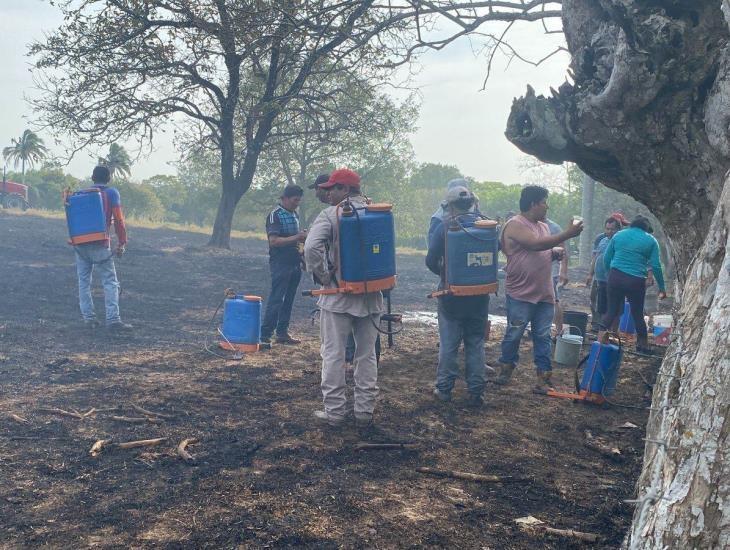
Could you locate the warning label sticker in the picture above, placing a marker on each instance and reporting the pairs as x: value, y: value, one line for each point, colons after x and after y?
x: 479, y: 259
x: 376, y: 248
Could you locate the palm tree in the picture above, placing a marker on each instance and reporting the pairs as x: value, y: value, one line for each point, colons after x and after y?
x: 117, y: 160
x: 28, y: 149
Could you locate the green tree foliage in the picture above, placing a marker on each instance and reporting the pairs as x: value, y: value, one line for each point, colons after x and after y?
x: 117, y: 160
x: 140, y: 200
x: 25, y: 150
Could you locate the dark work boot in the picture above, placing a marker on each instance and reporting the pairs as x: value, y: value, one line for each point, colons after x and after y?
x: 505, y: 374
x: 544, y: 381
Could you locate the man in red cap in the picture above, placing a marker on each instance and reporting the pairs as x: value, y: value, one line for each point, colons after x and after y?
x: 343, y: 314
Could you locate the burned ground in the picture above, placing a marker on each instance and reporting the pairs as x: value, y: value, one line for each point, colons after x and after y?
x: 263, y: 474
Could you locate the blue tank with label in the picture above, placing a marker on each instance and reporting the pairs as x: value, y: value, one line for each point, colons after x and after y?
x: 471, y: 253
x: 367, y: 248
x: 85, y: 216
x: 242, y: 320
x: 626, y: 324
x: 601, y: 369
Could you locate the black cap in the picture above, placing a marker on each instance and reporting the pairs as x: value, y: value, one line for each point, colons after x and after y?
x: 322, y: 178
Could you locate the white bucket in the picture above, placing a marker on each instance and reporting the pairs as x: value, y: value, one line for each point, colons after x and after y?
x: 567, y: 349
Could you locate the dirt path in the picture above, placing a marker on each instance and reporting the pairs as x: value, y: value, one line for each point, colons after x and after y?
x: 263, y: 474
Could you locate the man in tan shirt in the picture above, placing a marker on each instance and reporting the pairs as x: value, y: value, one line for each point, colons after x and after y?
x: 343, y: 314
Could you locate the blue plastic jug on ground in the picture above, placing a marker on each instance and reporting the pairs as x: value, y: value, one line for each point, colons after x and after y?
x: 241, y: 323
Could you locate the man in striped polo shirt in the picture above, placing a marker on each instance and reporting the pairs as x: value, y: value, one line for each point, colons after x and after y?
x: 282, y: 230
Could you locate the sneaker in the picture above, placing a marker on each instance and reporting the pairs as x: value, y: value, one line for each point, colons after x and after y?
x: 325, y: 418
x: 441, y: 396
x: 119, y: 328
x: 475, y: 401
x: 287, y: 340
x: 505, y: 374
x: 91, y: 324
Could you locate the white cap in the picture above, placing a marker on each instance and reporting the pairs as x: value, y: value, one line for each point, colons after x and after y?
x: 458, y: 192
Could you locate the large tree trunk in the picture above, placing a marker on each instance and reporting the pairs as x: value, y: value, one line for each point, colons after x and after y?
x: 649, y: 114
x: 684, y: 489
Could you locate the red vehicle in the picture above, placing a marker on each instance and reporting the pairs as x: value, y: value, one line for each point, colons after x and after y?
x: 14, y: 195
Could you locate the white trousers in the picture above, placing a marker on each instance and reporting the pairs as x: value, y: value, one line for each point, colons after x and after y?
x: 334, y: 329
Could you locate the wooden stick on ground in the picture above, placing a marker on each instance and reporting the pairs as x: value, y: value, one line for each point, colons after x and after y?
x: 464, y: 475
x: 18, y: 419
x: 182, y: 453
x: 98, y: 446
x: 570, y: 533
x: 150, y: 413
x: 135, y: 420
x: 594, y: 444
x: 61, y: 412
x: 141, y: 443
x: 91, y: 411
x: 384, y: 446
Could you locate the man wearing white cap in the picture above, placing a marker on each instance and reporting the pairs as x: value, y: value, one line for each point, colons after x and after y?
x: 442, y: 210
x: 460, y: 318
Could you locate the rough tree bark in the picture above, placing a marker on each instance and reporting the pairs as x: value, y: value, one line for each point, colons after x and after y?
x: 648, y: 114
x: 685, y: 483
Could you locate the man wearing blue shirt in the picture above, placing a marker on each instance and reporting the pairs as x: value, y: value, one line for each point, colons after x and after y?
x: 284, y: 235
x: 460, y: 318
x: 598, y: 272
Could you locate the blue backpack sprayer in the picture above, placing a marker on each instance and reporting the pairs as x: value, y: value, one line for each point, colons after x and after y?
x: 241, y: 330
x: 599, y: 376
x: 470, y: 258
x: 366, y: 252
x: 85, y: 216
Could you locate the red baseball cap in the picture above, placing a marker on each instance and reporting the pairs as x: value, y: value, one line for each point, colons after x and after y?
x: 619, y: 216
x: 343, y: 176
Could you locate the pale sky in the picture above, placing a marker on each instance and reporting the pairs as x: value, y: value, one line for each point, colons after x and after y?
x: 458, y: 124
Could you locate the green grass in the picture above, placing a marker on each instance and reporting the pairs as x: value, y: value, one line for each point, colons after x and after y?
x: 131, y: 221
x: 205, y: 230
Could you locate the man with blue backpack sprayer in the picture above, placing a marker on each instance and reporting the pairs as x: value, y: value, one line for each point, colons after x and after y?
x: 342, y: 314
x: 460, y: 318
x: 99, y: 255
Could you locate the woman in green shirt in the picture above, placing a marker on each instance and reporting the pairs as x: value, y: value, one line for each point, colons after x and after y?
x: 626, y: 259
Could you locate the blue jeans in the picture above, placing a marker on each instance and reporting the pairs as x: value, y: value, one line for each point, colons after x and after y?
x: 97, y: 256
x: 540, y: 317
x: 451, y: 333
x: 284, y: 283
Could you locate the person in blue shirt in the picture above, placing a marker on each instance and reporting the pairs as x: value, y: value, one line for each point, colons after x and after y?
x: 284, y: 235
x: 460, y: 318
x: 626, y: 258
x: 597, y: 279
